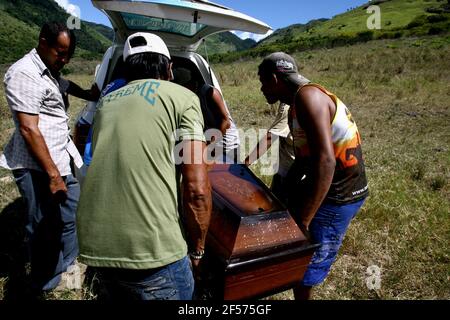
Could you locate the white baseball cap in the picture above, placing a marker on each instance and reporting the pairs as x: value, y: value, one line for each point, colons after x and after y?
x: 144, y: 42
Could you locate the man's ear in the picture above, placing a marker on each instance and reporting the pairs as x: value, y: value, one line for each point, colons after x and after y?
x: 43, y: 43
x: 275, y: 78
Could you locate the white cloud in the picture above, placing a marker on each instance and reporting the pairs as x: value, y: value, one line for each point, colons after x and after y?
x: 71, y: 9
x: 254, y: 36
x: 62, y: 3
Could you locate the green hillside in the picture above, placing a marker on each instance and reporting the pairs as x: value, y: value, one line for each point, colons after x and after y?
x: 16, y: 37
x: 225, y: 42
x: 22, y: 20
x: 289, y: 33
x: 396, y: 15
x: 107, y: 32
x: 399, y: 19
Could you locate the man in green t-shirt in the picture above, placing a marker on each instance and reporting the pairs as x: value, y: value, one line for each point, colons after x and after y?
x: 129, y: 227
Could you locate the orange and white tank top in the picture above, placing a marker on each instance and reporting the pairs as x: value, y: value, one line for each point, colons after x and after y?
x: 349, y: 181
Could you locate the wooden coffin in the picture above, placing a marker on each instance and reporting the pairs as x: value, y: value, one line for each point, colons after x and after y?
x: 254, y: 247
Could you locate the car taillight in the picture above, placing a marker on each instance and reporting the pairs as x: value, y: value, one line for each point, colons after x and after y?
x: 80, y: 136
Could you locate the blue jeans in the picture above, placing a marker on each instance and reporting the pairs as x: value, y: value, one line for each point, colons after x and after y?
x: 51, y: 237
x: 328, y: 228
x: 171, y: 282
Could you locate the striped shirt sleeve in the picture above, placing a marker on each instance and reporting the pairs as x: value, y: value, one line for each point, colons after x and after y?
x: 23, y: 92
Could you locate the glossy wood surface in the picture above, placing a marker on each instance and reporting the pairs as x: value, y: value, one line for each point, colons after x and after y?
x: 258, y: 244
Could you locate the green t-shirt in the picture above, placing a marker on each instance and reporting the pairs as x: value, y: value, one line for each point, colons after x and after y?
x: 127, y: 214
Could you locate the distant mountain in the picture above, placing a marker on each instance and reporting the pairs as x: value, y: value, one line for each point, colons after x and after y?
x: 399, y: 18
x: 107, y: 32
x: 289, y: 33
x: 225, y: 42
x: 22, y: 20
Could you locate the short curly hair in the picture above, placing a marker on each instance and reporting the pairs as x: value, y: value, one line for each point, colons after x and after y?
x: 51, y: 30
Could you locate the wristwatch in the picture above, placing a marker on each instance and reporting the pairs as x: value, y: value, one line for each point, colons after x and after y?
x: 197, y: 255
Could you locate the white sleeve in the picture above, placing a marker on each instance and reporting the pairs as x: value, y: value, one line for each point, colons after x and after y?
x: 280, y: 125
x: 23, y: 92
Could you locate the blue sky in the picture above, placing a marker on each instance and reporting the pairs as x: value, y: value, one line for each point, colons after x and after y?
x: 276, y: 13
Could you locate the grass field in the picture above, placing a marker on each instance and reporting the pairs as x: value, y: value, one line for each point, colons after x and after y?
x: 394, y: 14
x: 399, y: 93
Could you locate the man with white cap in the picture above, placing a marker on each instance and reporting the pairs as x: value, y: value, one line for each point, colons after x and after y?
x: 128, y: 222
x: 327, y: 184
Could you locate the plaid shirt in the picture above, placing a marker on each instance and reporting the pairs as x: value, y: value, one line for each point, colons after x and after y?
x: 30, y: 88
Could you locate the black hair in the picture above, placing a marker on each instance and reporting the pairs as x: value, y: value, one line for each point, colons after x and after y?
x: 147, y: 65
x: 51, y: 30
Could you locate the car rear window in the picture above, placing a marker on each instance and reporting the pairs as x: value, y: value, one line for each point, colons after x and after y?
x: 139, y: 22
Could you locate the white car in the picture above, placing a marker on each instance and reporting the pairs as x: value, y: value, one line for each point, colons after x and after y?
x: 254, y: 247
x: 182, y: 24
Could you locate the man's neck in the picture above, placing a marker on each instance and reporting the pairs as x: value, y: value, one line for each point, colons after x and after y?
x: 41, y: 55
x: 289, y: 93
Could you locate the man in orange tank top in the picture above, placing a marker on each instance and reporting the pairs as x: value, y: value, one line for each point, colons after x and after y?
x: 327, y: 183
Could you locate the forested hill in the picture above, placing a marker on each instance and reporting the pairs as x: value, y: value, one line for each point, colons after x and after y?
x: 21, y: 21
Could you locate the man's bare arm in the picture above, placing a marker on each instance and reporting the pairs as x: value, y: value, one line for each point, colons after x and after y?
x: 313, y: 111
x: 197, y: 200
x: 93, y: 94
x: 28, y: 125
x: 220, y: 110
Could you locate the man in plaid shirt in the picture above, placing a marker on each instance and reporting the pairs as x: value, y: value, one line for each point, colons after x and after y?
x: 40, y: 153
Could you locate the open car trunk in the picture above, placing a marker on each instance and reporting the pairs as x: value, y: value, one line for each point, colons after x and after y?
x: 182, y: 24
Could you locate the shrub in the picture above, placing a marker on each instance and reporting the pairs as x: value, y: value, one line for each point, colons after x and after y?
x: 418, y: 173
x: 437, y: 18
x: 390, y: 35
x: 365, y: 36
x: 434, y: 10
x: 66, y: 70
x: 437, y: 183
x: 419, y: 21
x: 436, y: 30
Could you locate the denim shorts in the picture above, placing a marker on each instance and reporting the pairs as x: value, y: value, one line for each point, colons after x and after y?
x: 171, y: 282
x: 328, y: 228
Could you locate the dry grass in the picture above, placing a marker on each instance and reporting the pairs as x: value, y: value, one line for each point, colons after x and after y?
x: 11, y: 214
x: 398, y: 92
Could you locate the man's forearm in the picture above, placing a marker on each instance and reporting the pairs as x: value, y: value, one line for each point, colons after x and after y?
x: 218, y: 107
x: 197, y: 211
x: 322, y: 176
x: 38, y: 148
x: 89, y: 95
x: 196, y: 194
